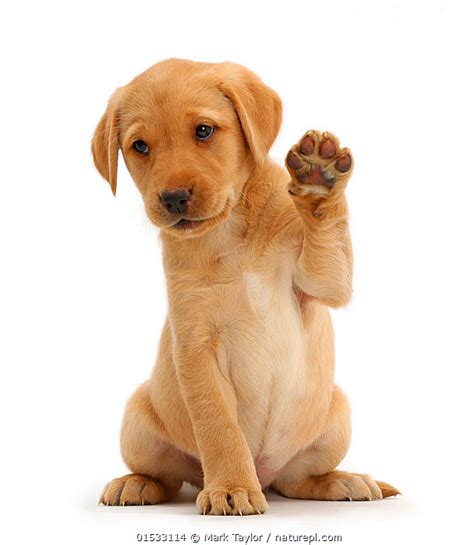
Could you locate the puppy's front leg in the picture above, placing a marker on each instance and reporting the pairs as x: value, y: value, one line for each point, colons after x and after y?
x: 231, y: 485
x: 319, y: 172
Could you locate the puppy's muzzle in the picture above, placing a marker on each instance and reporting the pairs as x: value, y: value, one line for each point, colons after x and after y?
x: 175, y: 202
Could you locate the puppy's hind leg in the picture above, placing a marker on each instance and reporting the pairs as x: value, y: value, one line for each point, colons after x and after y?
x: 311, y: 474
x: 159, y: 468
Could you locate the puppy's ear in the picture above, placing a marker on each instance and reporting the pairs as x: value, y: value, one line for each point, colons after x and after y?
x: 105, y: 142
x: 259, y: 108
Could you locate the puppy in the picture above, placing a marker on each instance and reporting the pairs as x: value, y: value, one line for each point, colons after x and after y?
x: 242, y: 394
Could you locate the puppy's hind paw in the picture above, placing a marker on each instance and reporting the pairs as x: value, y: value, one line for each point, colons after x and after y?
x: 133, y: 489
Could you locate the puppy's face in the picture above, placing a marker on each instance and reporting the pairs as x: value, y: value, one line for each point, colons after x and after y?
x: 190, y: 134
x: 183, y: 146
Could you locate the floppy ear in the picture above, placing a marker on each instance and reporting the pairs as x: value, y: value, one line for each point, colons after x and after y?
x: 259, y: 108
x: 105, y: 142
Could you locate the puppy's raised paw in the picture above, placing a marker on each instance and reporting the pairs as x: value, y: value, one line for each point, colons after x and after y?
x: 317, y: 163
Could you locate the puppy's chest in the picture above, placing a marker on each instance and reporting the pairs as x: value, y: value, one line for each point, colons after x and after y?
x: 248, y: 305
x: 262, y: 341
x: 256, y: 306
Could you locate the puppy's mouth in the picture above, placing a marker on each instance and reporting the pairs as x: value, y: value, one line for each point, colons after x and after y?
x: 184, y: 223
x: 191, y: 228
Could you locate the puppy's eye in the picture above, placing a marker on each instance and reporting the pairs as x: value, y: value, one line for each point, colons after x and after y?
x: 141, y: 147
x: 204, y: 132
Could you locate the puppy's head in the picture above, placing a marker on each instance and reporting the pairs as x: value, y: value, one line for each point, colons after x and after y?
x: 190, y: 134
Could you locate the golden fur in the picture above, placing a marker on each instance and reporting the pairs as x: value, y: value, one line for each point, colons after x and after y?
x: 242, y: 394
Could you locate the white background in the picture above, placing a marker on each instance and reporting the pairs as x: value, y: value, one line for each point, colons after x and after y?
x: 82, y: 287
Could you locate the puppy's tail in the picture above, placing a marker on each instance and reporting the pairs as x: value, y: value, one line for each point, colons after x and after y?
x: 387, y: 489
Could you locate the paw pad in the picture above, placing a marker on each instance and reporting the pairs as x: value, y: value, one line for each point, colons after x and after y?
x: 307, y: 145
x: 343, y: 164
x: 294, y: 161
x: 327, y: 149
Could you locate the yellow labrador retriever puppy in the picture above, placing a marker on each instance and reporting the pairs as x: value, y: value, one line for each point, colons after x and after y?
x: 242, y: 395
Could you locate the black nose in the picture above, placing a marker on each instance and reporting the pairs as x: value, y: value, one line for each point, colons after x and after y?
x: 175, y: 201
